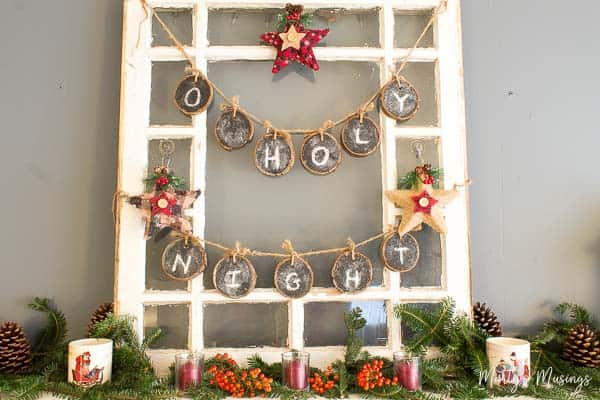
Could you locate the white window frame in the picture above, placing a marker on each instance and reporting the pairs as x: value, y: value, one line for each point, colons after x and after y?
x: 130, y: 293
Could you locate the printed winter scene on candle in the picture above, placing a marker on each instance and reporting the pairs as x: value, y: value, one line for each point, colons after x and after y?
x: 509, y: 362
x: 90, y: 361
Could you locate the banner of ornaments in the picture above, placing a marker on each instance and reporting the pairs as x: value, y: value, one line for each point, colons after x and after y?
x: 274, y: 153
x: 165, y: 202
x: 234, y: 275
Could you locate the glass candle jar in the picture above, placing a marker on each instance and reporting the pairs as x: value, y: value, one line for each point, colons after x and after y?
x: 188, y: 370
x: 408, y: 370
x: 295, y: 369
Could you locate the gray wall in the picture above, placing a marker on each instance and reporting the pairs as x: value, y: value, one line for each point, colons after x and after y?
x: 532, y: 148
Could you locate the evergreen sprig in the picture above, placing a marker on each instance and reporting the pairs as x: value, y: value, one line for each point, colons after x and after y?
x: 354, y: 321
x: 50, y: 346
x: 411, y: 180
x: 132, y: 367
x: 282, y: 22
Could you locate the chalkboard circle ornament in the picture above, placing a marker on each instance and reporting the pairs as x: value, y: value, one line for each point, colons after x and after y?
x: 281, y: 138
x: 238, y: 260
x: 342, y: 261
x: 391, y: 239
x: 299, y: 266
x: 192, y: 105
x: 328, y: 141
x: 389, y: 94
x: 197, y: 259
x: 238, y: 121
x: 374, y: 133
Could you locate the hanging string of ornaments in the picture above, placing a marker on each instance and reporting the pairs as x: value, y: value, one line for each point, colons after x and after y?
x: 166, y: 200
x: 234, y: 275
x: 321, y: 152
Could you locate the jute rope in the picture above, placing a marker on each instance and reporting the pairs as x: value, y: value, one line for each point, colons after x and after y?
x: 294, y: 131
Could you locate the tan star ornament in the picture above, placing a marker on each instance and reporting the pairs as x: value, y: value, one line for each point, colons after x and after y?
x: 291, y: 38
x: 424, y: 205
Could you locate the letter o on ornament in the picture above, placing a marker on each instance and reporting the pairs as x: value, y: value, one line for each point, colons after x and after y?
x: 320, y: 157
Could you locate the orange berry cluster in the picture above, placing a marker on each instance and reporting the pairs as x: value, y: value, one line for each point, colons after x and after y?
x: 227, y: 376
x: 323, y: 382
x: 371, y: 377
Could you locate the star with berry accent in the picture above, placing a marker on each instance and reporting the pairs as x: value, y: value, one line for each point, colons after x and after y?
x: 422, y: 205
x: 294, y: 42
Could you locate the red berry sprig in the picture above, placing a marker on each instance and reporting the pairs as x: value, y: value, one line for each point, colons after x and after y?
x: 227, y: 376
x: 325, y: 381
x: 371, y: 377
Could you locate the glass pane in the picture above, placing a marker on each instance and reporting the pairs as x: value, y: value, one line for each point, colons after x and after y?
x: 180, y: 165
x: 407, y: 333
x: 166, y: 75
x: 297, y: 206
x: 228, y: 27
x: 173, y: 319
x: 179, y: 21
x: 324, y: 323
x: 428, y: 271
x: 408, y: 25
x: 245, y: 325
x: 422, y: 75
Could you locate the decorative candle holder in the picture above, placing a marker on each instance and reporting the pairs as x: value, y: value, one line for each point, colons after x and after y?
x: 407, y: 369
x: 295, y: 367
x: 509, y: 361
x: 188, y: 370
x: 90, y: 361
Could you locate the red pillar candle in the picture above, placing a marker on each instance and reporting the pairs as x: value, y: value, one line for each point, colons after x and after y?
x: 408, y: 371
x: 295, y: 369
x: 188, y: 370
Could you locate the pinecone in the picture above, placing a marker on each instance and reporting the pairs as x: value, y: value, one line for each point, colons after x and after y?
x: 486, y: 319
x: 582, y: 346
x: 99, y: 315
x: 15, y: 351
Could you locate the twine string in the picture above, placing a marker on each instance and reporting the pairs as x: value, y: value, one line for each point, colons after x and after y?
x: 238, y: 250
x: 296, y: 131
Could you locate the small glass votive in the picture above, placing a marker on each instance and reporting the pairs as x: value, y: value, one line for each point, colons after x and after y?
x: 188, y: 370
x: 295, y: 369
x: 407, y: 369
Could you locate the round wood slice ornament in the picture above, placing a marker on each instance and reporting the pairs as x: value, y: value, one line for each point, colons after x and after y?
x: 193, y: 94
x: 234, y: 277
x: 352, y: 274
x: 293, y: 279
x: 400, y: 253
x: 321, y: 153
x: 183, y: 260
x: 399, y: 99
x: 234, y: 130
x: 274, y: 154
x: 360, y: 139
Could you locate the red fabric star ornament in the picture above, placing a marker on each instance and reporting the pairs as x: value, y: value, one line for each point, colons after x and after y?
x: 163, y: 203
x: 294, y: 44
x: 423, y: 202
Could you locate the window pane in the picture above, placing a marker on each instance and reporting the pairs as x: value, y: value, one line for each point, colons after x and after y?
x: 174, y: 322
x: 422, y: 75
x: 313, y: 212
x: 178, y: 20
x: 407, y: 333
x: 408, y: 25
x: 180, y: 165
x: 428, y: 271
x: 243, y: 27
x: 245, y: 325
x: 166, y: 75
x: 324, y: 323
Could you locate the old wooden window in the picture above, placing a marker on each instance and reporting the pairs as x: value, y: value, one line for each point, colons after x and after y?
x: 368, y: 38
